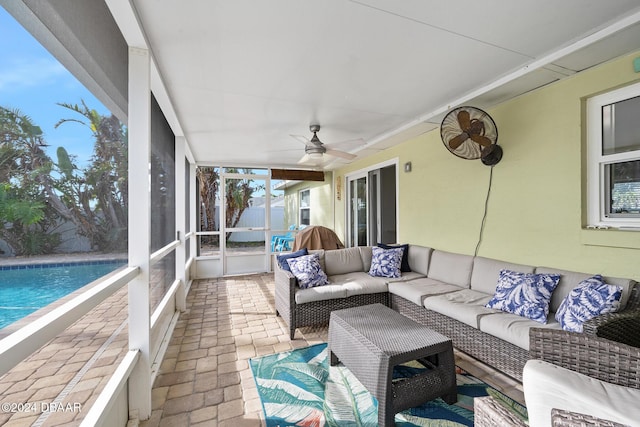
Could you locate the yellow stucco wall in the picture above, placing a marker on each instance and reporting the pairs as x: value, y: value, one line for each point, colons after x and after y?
x: 322, y: 209
x: 536, y: 205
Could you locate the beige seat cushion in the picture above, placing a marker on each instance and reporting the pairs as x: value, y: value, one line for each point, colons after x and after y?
x: 513, y: 328
x: 320, y: 293
x: 548, y: 386
x: 405, y: 277
x: 419, y: 289
x: 465, y: 306
x: 359, y: 283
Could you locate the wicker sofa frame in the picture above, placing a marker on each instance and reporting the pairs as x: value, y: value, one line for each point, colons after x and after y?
x: 508, y: 358
x: 502, y: 355
x: 317, y: 312
x: 594, y: 356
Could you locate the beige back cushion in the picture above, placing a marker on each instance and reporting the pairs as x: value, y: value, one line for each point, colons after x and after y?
x: 342, y: 261
x: 486, y: 271
x: 366, y: 253
x: 450, y: 268
x: 571, y: 279
x: 419, y: 257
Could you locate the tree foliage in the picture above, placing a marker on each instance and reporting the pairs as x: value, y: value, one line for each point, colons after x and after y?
x: 238, y: 193
x: 38, y: 194
x: 25, y: 186
x: 98, y: 196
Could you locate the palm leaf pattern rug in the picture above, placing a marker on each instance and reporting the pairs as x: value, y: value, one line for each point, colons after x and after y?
x: 299, y: 388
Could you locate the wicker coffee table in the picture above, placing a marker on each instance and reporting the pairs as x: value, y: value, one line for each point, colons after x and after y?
x: 372, y: 339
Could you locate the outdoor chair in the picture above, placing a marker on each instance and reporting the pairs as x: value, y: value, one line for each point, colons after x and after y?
x: 597, y: 357
x: 276, y: 240
x: 607, y: 351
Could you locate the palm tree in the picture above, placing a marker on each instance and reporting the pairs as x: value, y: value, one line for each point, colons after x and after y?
x: 101, y: 196
x: 238, y: 193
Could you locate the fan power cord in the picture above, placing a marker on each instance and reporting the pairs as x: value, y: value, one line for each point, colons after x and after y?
x: 484, y: 217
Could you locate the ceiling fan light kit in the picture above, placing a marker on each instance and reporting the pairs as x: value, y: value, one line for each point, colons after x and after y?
x: 314, y: 149
x: 470, y: 133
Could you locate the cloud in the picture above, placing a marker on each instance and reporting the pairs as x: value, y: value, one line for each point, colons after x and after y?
x: 22, y: 73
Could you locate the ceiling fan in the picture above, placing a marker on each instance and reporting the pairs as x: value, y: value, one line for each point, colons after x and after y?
x: 314, y: 149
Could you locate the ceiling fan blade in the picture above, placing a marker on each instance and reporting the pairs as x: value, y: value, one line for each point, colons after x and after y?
x: 304, y: 159
x: 482, y: 140
x: 302, y: 139
x: 457, y: 141
x: 341, y: 154
x: 349, y: 143
x: 310, y: 161
x: 464, y: 120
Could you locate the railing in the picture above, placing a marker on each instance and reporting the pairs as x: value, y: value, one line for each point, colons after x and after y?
x: 20, y: 344
x: 23, y: 342
x: 162, y: 252
x: 102, y: 406
x: 101, y: 409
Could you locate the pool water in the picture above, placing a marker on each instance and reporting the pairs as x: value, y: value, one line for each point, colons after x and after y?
x: 24, y: 290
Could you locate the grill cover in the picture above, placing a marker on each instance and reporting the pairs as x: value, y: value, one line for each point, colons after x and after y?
x: 317, y: 237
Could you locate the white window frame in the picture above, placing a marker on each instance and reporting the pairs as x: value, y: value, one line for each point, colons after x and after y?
x: 301, y: 208
x: 596, y: 161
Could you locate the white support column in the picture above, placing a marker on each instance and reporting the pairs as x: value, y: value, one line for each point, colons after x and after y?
x: 194, y: 209
x: 181, y: 197
x: 268, y: 225
x: 139, y: 126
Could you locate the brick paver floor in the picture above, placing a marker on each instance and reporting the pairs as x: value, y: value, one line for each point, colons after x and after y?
x: 57, y: 384
x: 204, y: 380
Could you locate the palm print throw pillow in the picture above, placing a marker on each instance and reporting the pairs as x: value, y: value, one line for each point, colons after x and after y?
x: 591, y: 298
x: 524, y: 294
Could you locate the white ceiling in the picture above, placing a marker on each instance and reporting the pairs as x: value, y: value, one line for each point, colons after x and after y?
x: 244, y: 75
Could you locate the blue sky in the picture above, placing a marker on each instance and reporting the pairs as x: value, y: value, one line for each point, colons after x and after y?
x: 33, y: 81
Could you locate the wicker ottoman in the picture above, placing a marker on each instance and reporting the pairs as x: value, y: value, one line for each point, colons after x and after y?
x: 370, y: 340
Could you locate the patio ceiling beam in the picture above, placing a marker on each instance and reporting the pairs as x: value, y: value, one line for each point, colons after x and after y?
x: 297, y: 175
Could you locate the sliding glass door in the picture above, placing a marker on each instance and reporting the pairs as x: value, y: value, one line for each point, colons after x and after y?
x: 358, y: 212
x: 371, y: 213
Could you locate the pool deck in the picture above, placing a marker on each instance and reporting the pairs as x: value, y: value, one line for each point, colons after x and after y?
x: 72, y: 368
x: 60, y: 258
x: 53, y: 259
x: 204, y: 380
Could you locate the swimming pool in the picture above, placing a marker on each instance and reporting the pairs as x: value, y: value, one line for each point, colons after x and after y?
x: 27, y: 288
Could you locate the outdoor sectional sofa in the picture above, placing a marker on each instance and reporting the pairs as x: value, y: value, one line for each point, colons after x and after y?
x: 445, y: 291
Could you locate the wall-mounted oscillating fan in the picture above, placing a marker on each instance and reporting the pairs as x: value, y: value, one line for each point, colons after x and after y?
x: 470, y: 133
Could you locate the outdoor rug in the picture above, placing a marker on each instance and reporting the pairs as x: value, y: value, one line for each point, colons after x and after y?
x: 299, y: 388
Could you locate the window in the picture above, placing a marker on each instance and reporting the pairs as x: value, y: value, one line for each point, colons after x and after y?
x: 613, y: 158
x: 305, y: 207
